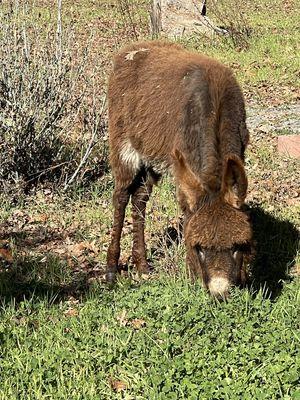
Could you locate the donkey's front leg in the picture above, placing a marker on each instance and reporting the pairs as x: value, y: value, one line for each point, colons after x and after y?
x: 139, y: 200
x: 120, y: 200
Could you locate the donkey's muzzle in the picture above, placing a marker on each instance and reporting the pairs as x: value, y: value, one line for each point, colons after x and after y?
x: 219, y: 287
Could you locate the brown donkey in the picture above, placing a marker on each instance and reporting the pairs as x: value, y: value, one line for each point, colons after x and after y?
x: 172, y: 109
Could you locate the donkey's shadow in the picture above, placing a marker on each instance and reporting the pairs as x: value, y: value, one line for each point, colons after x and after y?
x: 276, y: 245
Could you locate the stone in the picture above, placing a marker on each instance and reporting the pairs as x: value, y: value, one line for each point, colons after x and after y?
x: 289, y: 145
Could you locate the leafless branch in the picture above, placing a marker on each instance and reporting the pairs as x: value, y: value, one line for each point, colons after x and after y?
x: 90, y: 145
x: 59, y: 32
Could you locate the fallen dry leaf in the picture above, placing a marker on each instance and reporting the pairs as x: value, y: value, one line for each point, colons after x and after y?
x: 42, y: 218
x: 138, y: 323
x: 295, y: 270
x: 71, y: 300
x: 118, y: 386
x: 5, y: 251
x: 71, y: 312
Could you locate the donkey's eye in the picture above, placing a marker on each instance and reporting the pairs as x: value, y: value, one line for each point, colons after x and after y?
x: 200, y: 252
x: 237, y: 254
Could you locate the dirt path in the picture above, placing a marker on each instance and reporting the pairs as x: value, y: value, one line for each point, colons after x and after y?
x: 281, y: 119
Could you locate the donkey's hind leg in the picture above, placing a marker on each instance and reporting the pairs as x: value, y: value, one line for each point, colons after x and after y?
x: 140, y: 196
x: 120, y: 200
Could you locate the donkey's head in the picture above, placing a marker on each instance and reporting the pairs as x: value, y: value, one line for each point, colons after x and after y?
x: 218, y: 239
x: 217, y: 233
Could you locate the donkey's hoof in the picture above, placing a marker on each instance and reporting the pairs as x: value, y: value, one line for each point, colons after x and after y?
x: 110, y: 277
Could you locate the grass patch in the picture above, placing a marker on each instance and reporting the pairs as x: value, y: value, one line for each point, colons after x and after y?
x: 162, y: 340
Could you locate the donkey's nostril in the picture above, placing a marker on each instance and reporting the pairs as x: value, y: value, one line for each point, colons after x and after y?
x: 219, y: 287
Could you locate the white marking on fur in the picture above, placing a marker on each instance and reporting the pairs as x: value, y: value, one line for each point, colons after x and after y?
x: 218, y: 286
x: 130, y: 55
x: 130, y: 156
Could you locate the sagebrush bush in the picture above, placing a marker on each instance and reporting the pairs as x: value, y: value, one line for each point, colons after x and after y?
x: 44, y: 122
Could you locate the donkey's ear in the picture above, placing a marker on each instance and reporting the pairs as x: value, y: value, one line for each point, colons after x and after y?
x: 189, y: 184
x: 234, y: 181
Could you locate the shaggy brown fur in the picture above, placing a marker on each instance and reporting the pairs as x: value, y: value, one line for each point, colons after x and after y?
x: 170, y: 108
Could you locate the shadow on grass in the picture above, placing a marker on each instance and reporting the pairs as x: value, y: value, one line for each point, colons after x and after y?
x: 171, y: 236
x: 276, y: 245
x: 41, y: 272
x: 34, y: 277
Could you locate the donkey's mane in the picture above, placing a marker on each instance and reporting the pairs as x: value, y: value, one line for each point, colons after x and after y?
x: 218, y: 225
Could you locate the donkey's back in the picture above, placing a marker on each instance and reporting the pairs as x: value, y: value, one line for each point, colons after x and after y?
x: 161, y: 97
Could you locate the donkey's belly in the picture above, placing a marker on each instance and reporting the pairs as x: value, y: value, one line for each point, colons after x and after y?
x: 136, y: 160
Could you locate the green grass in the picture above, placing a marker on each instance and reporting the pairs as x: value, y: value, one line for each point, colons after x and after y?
x: 271, y: 58
x: 186, y: 347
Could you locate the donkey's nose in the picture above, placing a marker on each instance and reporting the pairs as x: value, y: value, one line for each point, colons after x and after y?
x: 219, y: 287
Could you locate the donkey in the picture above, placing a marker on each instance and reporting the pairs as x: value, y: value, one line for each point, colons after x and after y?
x: 170, y: 109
